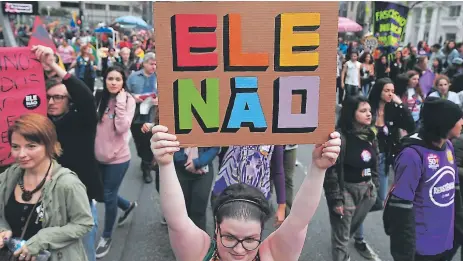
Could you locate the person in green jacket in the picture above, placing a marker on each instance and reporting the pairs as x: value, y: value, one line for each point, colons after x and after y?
x: 42, y: 202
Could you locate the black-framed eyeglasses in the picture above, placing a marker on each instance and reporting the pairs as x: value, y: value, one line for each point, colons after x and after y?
x: 56, y: 98
x: 230, y: 241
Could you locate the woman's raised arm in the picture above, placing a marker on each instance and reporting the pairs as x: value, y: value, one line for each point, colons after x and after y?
x: 187, y: 240
x: 286, y: 242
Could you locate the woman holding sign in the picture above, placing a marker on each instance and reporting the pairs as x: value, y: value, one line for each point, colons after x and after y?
x: 240, y: 211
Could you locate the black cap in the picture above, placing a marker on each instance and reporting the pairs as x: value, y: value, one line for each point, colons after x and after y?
x: 440, y: 116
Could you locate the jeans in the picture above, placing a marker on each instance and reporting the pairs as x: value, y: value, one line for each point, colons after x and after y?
x: 196, y: 192
x: 113, y: 175
x: 351, y: 90
x: 366, y: 89
x: 383, y: 189
x: 90, y: 239
x: 359, y: 198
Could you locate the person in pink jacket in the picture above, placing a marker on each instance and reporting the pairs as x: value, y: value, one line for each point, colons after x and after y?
x: 116, y: 109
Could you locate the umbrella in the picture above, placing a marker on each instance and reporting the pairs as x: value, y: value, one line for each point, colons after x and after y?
x: 347, y: 25
x: 104, y: 30
x: 132, y: 21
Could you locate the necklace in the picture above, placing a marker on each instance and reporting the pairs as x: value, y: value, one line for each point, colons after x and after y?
x: 27, y: 194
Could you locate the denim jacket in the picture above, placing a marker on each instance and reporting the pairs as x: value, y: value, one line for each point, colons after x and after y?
x: 206, y: 155
x: 67, y: 216
x: 80, y: 68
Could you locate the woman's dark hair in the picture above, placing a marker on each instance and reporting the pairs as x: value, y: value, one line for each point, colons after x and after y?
x: 364, y: 57
x: 439, y: 68
x: 381, y: 58
x: 241, y: 201
x: 347, y: 116
x: 401, y: 56
x: 419, y: 46
x: 401, y: 84
x: 105, y: 96
x: 375, y: 93
x: 447, y: 49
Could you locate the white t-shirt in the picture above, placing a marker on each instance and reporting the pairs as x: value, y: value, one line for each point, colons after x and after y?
x: 352, y: 73
x: 451, y: 96
x: 414, y: 102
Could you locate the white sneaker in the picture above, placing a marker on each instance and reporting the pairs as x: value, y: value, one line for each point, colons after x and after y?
x: 103, y: 247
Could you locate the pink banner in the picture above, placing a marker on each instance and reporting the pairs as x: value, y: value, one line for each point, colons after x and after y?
x: 22, y: 90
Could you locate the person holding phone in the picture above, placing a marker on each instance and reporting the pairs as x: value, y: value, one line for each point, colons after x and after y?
x: 115, y: 112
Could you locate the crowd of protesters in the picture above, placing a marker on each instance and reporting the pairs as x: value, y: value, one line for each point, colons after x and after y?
x: 400, y: 115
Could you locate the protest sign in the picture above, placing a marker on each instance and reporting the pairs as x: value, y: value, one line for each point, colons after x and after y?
x: 236, y: 73
x: 22, y: 90
x: 390, y: 21
x: 370, y: 42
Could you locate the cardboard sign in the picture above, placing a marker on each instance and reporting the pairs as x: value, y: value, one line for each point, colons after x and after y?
x: 236, y: 73
x: 22, y: 90
x: 370, y: 42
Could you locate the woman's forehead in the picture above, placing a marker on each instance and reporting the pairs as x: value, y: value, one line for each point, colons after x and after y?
x: 240, y: 227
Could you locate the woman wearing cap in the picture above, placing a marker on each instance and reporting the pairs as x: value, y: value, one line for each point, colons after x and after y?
x: 240, y: 211
x: 420, y: 209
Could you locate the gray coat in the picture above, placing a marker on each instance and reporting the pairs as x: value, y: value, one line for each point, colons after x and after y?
x: 67, y: 214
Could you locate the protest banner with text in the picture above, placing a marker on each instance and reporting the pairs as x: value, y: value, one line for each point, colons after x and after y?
x: 236, y: 73
x: 22, y: 90
x: 390, y: 21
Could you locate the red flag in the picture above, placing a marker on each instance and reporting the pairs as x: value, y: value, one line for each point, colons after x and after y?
x: 40, y: 35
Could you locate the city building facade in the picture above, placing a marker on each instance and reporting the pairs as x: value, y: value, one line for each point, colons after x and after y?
x: 99, y: 12
x: 361, y: 12
x: 434, y: 22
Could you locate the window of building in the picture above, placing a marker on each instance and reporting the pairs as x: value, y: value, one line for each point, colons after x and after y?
x: 136, y: 9
x: 95, y: 6
x: 69, y: 4
x: 351, y: 6
x: 450, y: 37
x: 343, y: 6
x: 454, y: 11
x: 121, y: 8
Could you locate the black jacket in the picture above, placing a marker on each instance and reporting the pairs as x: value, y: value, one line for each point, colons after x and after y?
x: 458, y: 148
x: 396, y: 116
x: 76, y: 132
x: 334, y: 177
x: 396, y: 70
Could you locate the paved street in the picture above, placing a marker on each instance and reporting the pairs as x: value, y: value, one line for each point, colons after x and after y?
x: 146, y: 239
